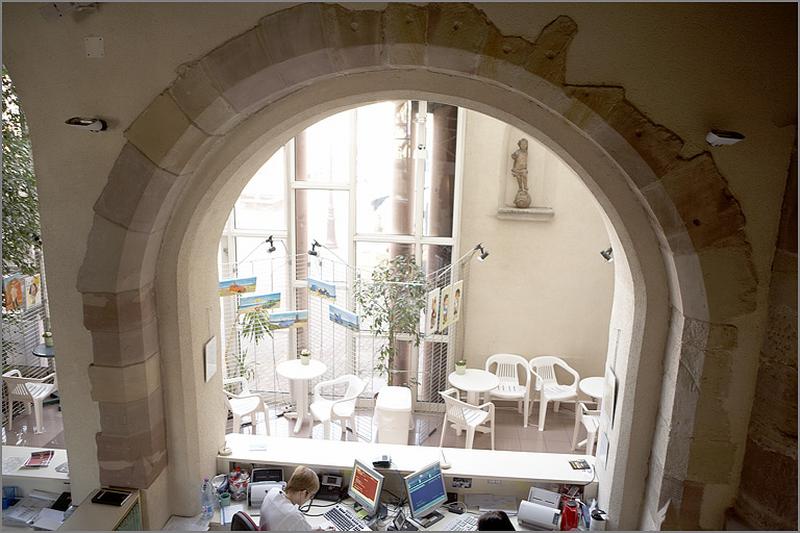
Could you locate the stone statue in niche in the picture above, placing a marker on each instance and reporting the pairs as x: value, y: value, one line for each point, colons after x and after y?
x: 520, y: 171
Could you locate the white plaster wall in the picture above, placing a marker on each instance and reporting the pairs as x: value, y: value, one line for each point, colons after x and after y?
x: 545, y: 289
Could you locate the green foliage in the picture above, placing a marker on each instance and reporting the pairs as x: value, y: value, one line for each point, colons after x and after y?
x: 255, y: 327
x: 392, y: 300
x: 20, y: 201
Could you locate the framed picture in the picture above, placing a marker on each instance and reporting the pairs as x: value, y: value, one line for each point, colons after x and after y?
x: 322, y: 289
x: 609, y: 397
x: 343, y: 317
x: 284, y: 319
x: 433, y: 310
x: 445, y: 307
x: 229, y: 287
x: 602, y: 450
x: 14, y: 292
x: 33, y: 291
x: 210, y: 354
x: 260, y: 301
x: 458, y: 293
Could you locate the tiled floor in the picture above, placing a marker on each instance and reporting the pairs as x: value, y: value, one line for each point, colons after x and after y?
x: 22, y: 434
x: 510, y: 435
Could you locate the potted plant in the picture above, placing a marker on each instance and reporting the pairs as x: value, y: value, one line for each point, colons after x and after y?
x: 461, y: 366
x: 305, y: 356
x: 256, y: 326
x: 48, y: 339
x: 391, y: 301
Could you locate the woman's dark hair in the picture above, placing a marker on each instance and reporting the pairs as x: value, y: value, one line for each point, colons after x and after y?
x: 495, y: 521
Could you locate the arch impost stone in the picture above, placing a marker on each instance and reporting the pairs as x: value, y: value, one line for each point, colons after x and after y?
x: 127, y: 383
x: 118, y: 259
x: 119, y: 312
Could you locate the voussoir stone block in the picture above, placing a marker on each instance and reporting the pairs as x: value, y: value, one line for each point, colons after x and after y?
x: 165, y: 135
x: 127, y: 383
x: 355, y: 37
x: 136, y: 193
x: 548, y: 58
x: 200, y: 100
x: 297, y: 60
x: 124, y: 419
x: 118, y: 312
x: 456, y: 36
x: 118, y: 259
x: 701, y: 196
x: 404, y: 31
x: 123, y: 348
x: 133, y: 461
x: 730, y: 281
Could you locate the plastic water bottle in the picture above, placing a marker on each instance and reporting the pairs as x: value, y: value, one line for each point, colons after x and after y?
x: 206, y: 500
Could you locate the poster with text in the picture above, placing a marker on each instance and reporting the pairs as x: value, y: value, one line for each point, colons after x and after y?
x: 33, y: 291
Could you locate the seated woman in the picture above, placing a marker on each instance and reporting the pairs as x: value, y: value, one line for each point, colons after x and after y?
x: 280, y: 512
x: 495, y: 521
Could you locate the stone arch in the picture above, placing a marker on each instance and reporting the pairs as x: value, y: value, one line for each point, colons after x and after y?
x: 696, y: 219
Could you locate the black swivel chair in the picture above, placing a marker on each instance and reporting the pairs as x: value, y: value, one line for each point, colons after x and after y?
x: 242, y: 521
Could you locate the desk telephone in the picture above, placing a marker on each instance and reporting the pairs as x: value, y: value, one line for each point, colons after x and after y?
x: 331, y: 487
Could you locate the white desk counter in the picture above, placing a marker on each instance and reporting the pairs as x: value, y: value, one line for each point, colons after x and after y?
x: 42, y: 478
x: 340, y: 455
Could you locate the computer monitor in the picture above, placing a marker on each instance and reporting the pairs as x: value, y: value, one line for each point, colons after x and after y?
x: 426, y: 492
x: 365, y: 487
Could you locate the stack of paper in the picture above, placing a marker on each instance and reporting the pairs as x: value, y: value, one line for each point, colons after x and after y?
x: 26, y: 511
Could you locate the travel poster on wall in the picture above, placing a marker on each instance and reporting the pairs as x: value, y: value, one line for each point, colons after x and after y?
x: 229, y: 287
x: 458, y: 294
x: 33, y: 291
x: 343, y: 317
x: 433, y: 310
x: 322, y: 289
x: 259, y: 301
x: 445, y: 307
x: 14, y: 292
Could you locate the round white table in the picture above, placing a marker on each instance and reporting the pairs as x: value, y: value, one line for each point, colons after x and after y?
x: 299, y: 375
x: 474, y: 382
x: 592, y: 387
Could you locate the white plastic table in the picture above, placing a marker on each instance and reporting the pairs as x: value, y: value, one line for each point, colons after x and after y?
x: 299, y: 375
x: 592, y: 387
x: 474, y: 382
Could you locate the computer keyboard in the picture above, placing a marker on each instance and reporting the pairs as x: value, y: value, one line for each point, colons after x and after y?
x: 343, y: 519
x: 467, y: 522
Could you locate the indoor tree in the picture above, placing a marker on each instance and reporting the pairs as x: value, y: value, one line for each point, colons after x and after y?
x: 391, y: 300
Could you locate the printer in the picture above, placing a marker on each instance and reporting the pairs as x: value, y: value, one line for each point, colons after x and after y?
x: 538, y: 517
x: 256, y: 492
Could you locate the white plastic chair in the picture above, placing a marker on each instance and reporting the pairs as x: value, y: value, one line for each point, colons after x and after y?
x: 543, y: 368
x: 506, y: 365
x: 245, y: 403
x: 590, y: 419
x: 343, y: 409
x: 466, y: 416
x: 30, y: 391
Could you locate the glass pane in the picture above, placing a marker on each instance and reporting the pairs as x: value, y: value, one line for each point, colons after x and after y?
x: 323, y: 151
x: 322, y: 216
x: 370, y: 254
x: 437, y: 209
x: 432, y: 371
x: 262, y: 203
x: 384, y: 169
x: 436, y: 257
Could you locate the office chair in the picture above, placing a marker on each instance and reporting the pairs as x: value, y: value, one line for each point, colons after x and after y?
x: 242, y: 521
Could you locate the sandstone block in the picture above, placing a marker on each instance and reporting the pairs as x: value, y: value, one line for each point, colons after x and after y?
x: 240, y: 68
x: 135, y: 194
x: 354, y: 37
x: 165, y: 135
x: 783, y: 285
x: 775, y: 402
x: 127, y: 383
x: 701, y: 196
x: 123, y: 348
x: 730, y: 281
x: 668, y: 218
x: 197, y: 97
x: 118, y: 259
x: 122, y: 419
x: 119, y: 312
x: 548, y: 58
x: 766, y: 471
x: 714, y: 461
x: 456, y: 36
x: 404, y: 31
x: 780, y: 341
x: 693, y: 292
x: 132, y: 461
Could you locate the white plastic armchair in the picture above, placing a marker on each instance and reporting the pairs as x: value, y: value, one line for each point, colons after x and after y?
x: 31, y: 392
x: 506, y: 369
x: 543, y: 369
x: 341, y: 409
x: 590, y: 419
x: 245, y: 403
x: 466, y: 416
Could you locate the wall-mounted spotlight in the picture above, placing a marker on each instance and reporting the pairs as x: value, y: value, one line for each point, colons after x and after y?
x: 722, y: 137
x: 484, y: 253
x: 608, y: 254
x: 92, y: 124
x: 271, y: 245
x: 314, y: 246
